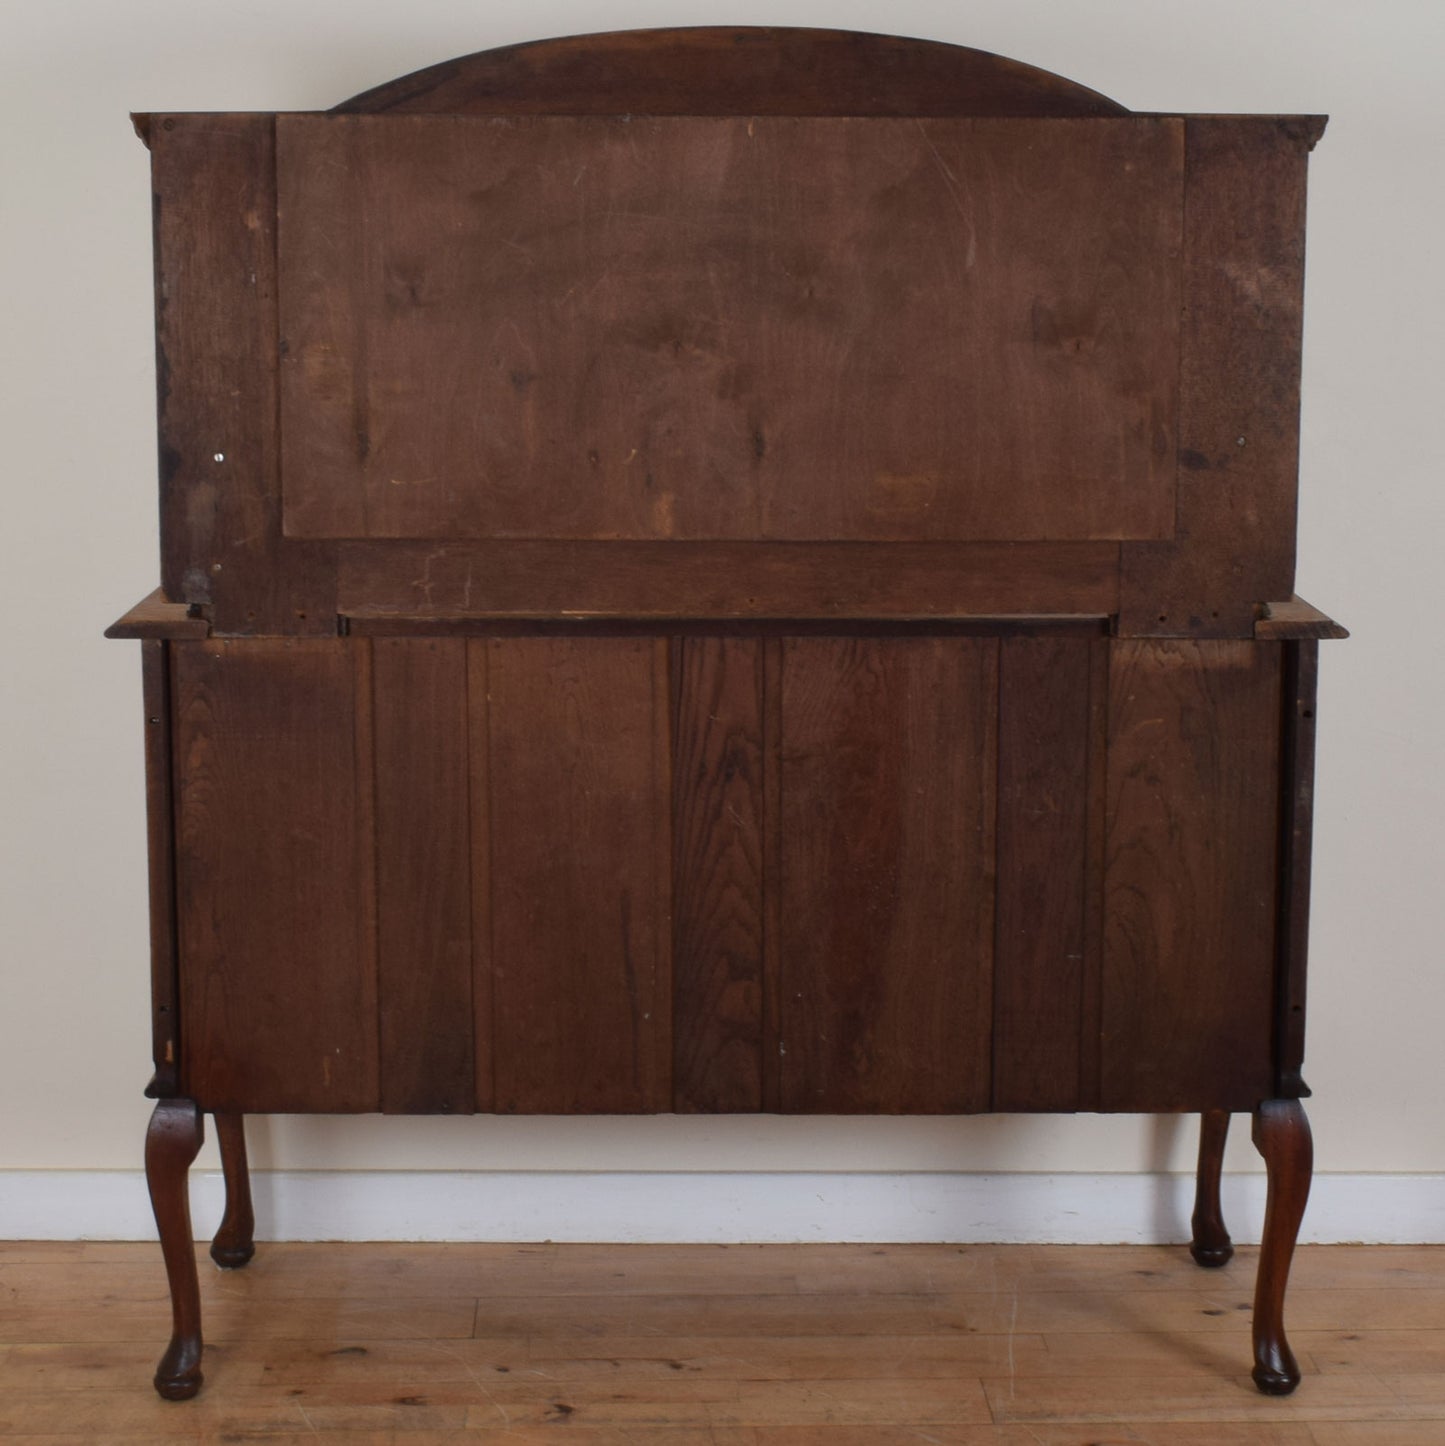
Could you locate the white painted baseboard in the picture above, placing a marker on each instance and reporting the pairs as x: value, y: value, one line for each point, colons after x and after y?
x: 718, y: 1208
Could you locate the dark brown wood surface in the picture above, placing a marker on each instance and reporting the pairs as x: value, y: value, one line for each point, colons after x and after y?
x: 579, y: 806
x: 215, y: 256
x: 479, y: 862
x: 161, y: 869
x: 712, y: 328
x: 275, y: 859
x: 154, y: 616
x: 1297, y: 804
x: 1239, y: 385
x: 887, y: 864
x: 1282, y: 1136
x: 1210, y: 1244
x: 1039, y: 974
x: 174, y: 1138
x: 1190, y: 881
x: 423, y: 875
x: 717, y: 803
x: 234, y: 1243
x: 734, y: 70
x: 727, y: 579
x: 1294, y: 618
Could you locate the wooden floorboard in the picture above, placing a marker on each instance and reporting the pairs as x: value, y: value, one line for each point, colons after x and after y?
x: 823, y: 1345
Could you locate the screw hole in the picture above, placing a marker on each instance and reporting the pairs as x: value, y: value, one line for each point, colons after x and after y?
x: 1163, y: 618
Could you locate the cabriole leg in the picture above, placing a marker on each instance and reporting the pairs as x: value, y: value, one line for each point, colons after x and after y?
x: 176, y: 1131
x: 1282, y: 1136
x: 1211, y: 1245
x: 234, y: 1244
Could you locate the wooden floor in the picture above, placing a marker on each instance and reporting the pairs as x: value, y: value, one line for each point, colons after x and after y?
x: 822, y: 1345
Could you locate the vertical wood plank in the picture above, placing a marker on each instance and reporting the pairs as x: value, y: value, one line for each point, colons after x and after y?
x: 214, y: 181
x: 1096, y: 842
x: 1297, y: 775
x: 1043, y: 774
x: 161, y: 858
x: 717, y: 873
x: 773, y: 651
x: 1194, y: 731
x: 424, y: 927
x: 1244, y: 213
x: 275, y: 858
x: 887, y: 784
x: 580, y: 823
x: 479, y: 793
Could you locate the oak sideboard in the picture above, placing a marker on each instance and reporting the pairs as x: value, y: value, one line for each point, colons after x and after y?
x: 728, y: 570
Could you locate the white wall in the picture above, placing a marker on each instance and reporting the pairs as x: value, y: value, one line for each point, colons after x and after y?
x: 78, y: 540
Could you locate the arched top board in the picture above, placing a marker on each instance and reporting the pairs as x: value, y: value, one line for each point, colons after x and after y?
x: 734, y: 70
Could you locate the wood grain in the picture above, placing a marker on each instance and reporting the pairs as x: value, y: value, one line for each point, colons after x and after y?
x: 1296, y: 620
x: 1239, y: 385
x: 274, y: 851
x: 887, y: 874
x: 424, y: 879
x: 717, y: 874
x: 1194, y: 738
x: 155, y: 617
x: 579, y: 805
x: 1297, y: 805
x: 215, y: 253
x: 591, y: 327
x: 1039, y: 972
x: 78, y: 1322
x: 161, y: 870
x: 734, y: 70
x: 729, y: 579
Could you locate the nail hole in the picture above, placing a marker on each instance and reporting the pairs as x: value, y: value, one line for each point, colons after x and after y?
x: 1163, y: 618
x: 1308, y: 713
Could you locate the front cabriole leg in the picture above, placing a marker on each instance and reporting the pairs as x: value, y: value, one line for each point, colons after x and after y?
x: 176, y: 1131
x: 1282, y: 1136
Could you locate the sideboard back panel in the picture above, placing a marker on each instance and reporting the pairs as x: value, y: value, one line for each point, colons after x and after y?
x: 640, y: 873
x: 720, y: 328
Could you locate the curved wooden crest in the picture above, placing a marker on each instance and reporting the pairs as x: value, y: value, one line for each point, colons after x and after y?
x: 734, y: 70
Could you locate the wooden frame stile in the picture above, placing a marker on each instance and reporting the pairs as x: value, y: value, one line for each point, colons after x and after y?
x: 880, y: 693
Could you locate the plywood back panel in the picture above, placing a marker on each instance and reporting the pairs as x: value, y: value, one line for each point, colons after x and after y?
x: 727, y: 328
